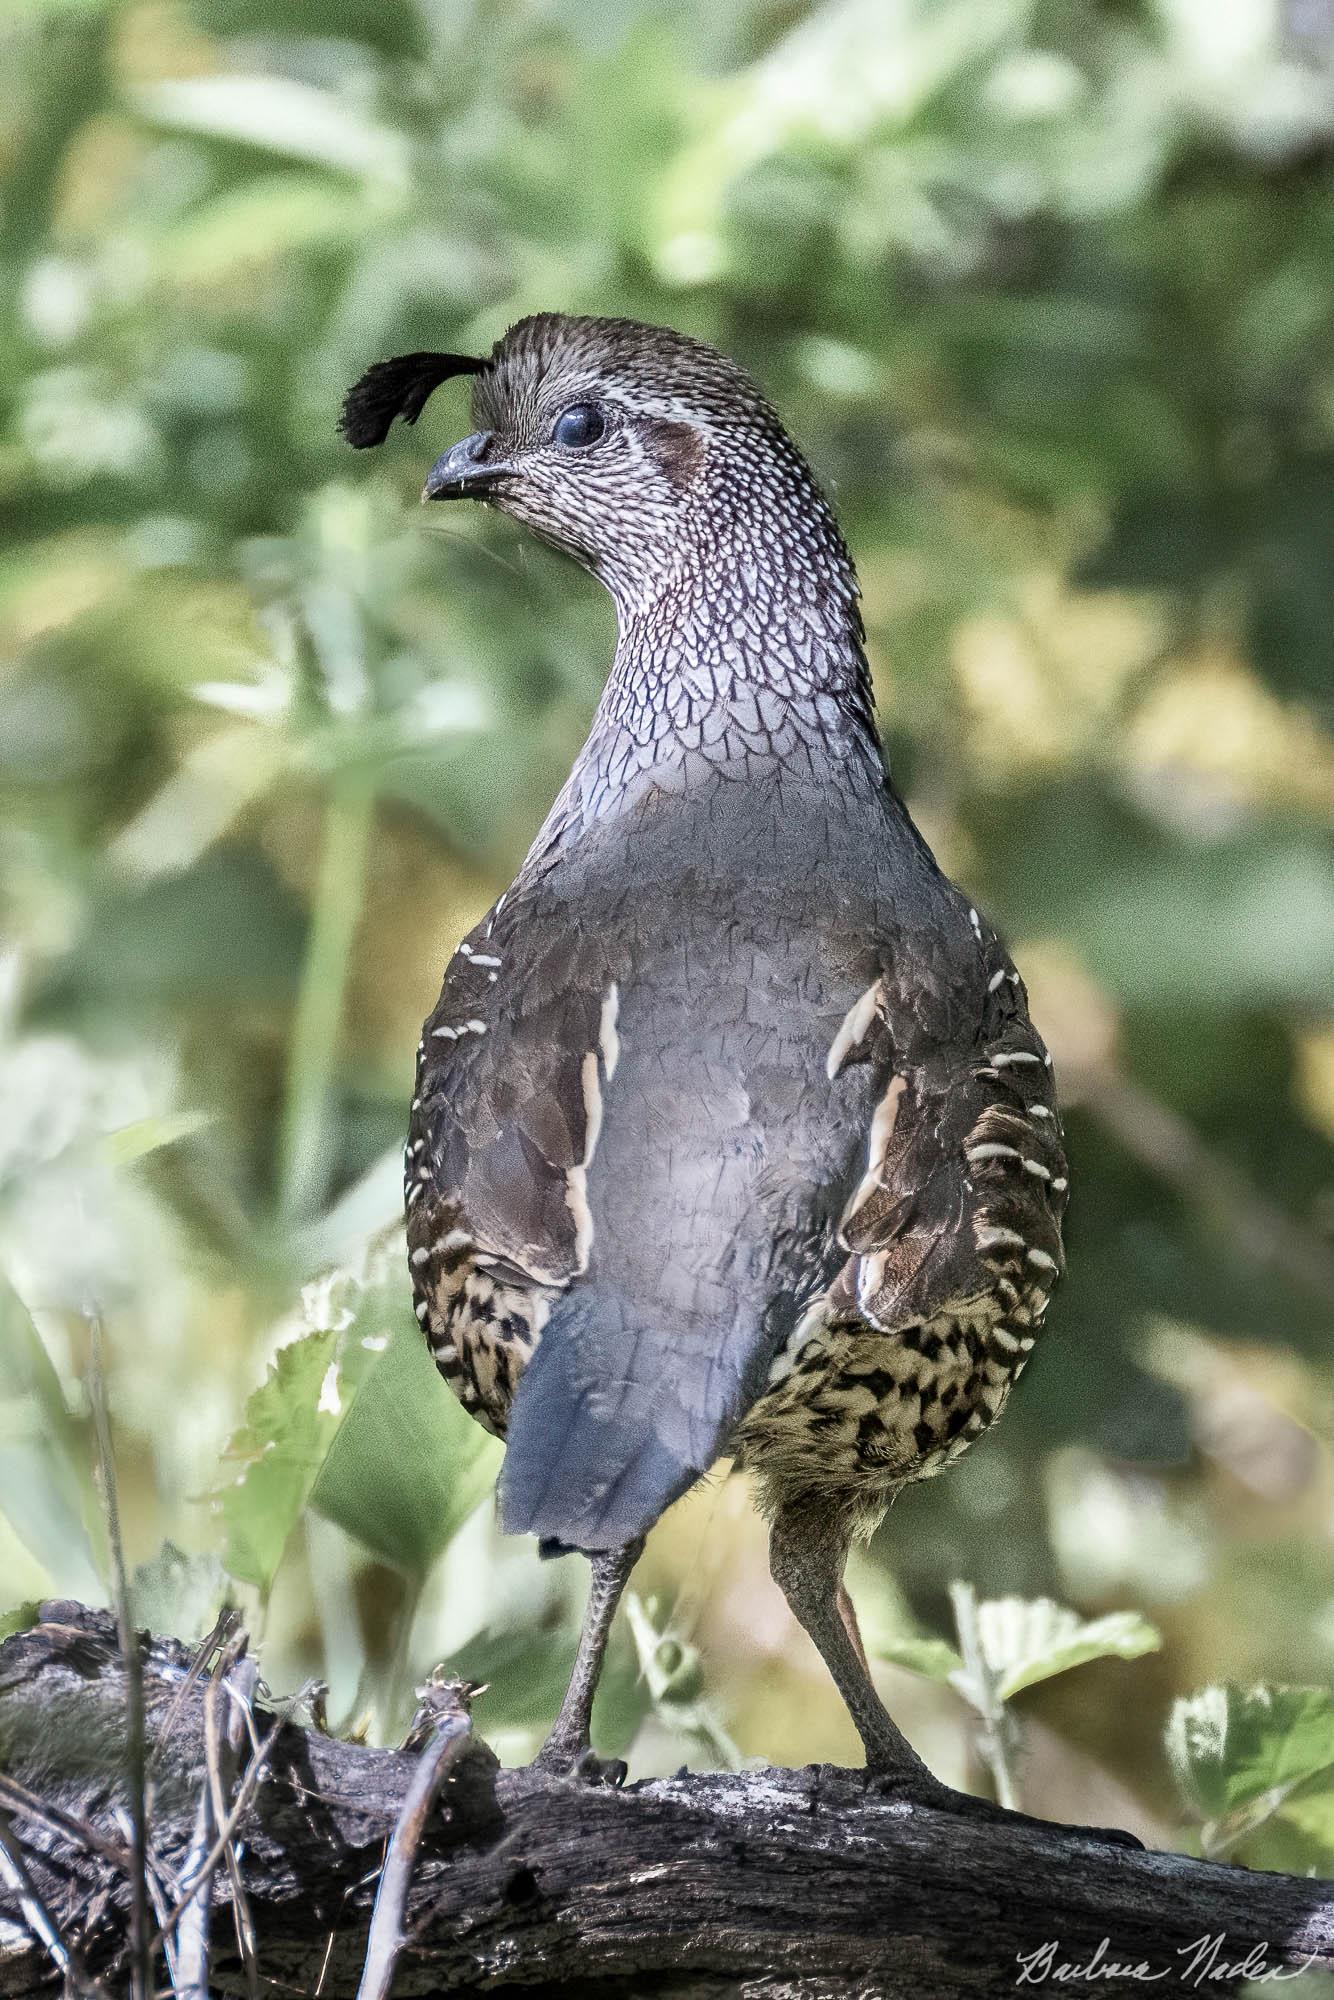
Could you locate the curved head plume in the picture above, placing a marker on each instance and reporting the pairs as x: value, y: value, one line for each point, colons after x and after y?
x: 397, y: 388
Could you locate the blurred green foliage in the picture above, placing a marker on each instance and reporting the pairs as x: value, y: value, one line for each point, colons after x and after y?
x: 1046, y: 290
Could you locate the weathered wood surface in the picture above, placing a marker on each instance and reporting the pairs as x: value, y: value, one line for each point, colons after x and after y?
x: 778, y: 1885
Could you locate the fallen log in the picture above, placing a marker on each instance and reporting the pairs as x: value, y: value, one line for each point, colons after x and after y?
x: 779, y: 1885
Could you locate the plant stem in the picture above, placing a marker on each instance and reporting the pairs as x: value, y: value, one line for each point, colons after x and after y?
x: 303, y: 1161
x: 984, y: 1697
x: 141, y: 1958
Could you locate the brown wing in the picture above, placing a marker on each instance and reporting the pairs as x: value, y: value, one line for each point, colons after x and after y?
x: 965, y: 1181
x: 496, y: 1147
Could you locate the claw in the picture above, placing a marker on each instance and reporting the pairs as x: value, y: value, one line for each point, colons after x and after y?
x: 580, y: 1764
x: 921, y: 1788
x: 596, y: 1770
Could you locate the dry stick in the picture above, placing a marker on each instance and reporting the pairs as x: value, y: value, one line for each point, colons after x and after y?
x: 222, y: 1749
x: 189, y: 1973
x: 224, y: 1630
x: 217, y: 1853
x: 141, y: 1959
x: 35, y: 1913
x: 57, y: 1820
x: 387, y: 1933
x: 159, y: 1901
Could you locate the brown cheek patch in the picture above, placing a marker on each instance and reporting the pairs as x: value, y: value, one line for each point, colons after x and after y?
x: 678, y: 449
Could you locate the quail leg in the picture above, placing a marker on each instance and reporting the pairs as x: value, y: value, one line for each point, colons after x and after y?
x: 566, y: 1751
x: 807, y: 1552
x: 806, y: 1555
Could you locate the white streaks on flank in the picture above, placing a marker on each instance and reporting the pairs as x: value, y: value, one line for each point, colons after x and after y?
x: 1039, y: 1111
x: 1005, y: 1059
x: 609, y: 1042
x: 997, y: 1238
x: 870, y: 1277
x: 1036, y: 1168
x: 976, y: 923
x: 882, y: 1131
x: 576, y: 1178
x: 997, y: 979
x: 464, y: 1028
x: 419, y: 1257
x: 856, y: 1023
x: 1060, y: 1184
x: 413, y: 1192
x: 992, y: 1150
x: 1041, y: 1260
x: 421, y: 1310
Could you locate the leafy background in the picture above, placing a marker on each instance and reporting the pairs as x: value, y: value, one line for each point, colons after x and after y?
x: 1046, y: 291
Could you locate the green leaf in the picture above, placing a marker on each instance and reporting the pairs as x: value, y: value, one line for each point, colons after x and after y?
x: 672, y: 1674
x: 934, y: 1659
x: 149, y: 1135
x: 290, y: 1423
x: 252, y: 225
x: 46, y: 1491
x: 408, y: 1464
x: 1025, y: 1641
x: 177, y: 1594
x: 355, y: 1419
x: 20, y: 1619
x: 524, y: 1670
x: 1229, y: 1746
x: 280, y: 115
x: 1306, y: 1820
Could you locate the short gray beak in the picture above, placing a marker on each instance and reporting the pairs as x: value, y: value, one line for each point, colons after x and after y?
x: 464, y: 472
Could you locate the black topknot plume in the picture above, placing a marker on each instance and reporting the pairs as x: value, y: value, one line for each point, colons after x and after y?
x: 397, y: 388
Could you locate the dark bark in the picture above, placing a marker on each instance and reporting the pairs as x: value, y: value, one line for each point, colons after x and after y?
x: 776, y: 1883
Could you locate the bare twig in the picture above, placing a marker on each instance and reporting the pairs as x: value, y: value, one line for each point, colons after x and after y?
x: 388, y: 1932
x: 225, y: 1628
x: 35, y: 1913
x: 158, y: 1897
x: 56, y: 1820
x: 189, y: 1976
x: 141, y: 1958
x: 216, y: 1854
x: 222, y: 1749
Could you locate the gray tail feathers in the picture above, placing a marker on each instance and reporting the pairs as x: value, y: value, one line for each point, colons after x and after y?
x: 595, y: 1454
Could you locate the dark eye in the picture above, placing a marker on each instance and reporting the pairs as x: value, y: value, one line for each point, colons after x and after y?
x: 581, y: 424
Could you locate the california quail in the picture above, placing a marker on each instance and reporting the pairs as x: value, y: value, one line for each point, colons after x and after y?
x: 731, y: 1133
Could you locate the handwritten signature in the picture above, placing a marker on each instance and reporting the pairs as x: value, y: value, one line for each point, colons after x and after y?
x: 1206, y: 1960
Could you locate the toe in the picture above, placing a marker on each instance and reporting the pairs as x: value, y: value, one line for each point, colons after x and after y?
x: 578, y: 1762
